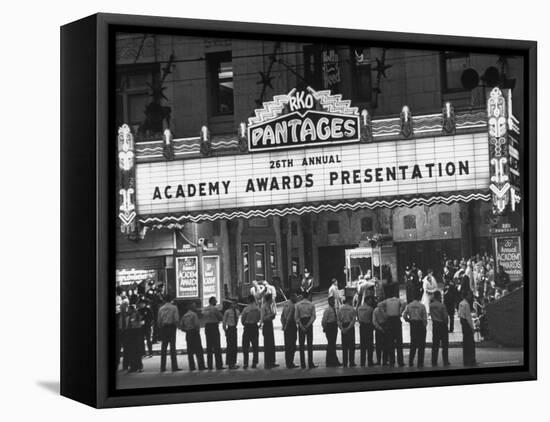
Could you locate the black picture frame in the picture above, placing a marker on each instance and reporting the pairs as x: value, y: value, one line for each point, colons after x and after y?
x: 88, y: 223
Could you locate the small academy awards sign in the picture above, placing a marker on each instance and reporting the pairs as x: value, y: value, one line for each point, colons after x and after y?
x: 303, y: 118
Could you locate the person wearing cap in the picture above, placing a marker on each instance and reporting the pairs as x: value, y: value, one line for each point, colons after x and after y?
x: 190, y: 325
x: 307, y: 283
x: 167, y: 321
x: 379, y: 320
x: 393, y: 307
x: 249, y: 319
x: 147, y: 317
x: 366, y: 330
x: 305, y: 316
x: 346, y: 321
x: 267, y: 315
x: 334, y: 292
x: 415, y: 314
x: 288, y: 323
x: 450, y: 296
x: 410, y: 283
x: 212, y: 318
x: 229, y: 324
x: 330, y: 328
x: 440, y: 333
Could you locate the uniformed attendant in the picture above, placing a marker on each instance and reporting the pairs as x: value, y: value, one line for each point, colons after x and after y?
x: 468, y: 343
x: 250, y: 319
x: 147, y: 317
x: 379, y: 321
x: 212, y: 317
x: 393, y: 307
x: 440, y: 333
x: 268, y: 313
x: 346, y: 321
x: 334, y: 292
x: 167, y: 321
x: 330, y: 328
x: 307, y: 283
x: 191, y: 326
x: 410, y: 283
x: 366, y: 330
x: 450, y: 297
x: 229, y: 324
x: 305, y: 316
x: 415, y: 314
x: 288, y: 322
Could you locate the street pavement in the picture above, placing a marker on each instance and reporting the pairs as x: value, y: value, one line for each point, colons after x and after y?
x: 152, y: 377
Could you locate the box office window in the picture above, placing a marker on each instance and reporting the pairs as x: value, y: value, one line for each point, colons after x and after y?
x: 246, y: 263
x: 220, y: 80
x: 409, y: 222
x: 366, y: 224
x: 445, y: 219
x: 333, y: 227
x: 453, y: 64
x: 259, y: 262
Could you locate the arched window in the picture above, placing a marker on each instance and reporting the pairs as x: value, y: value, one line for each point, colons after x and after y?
x: 409, y: 222
x: 366, y: 224
x: 333, y: 227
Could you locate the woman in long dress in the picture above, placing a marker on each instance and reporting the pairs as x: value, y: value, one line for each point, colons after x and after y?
x: 429, y: 285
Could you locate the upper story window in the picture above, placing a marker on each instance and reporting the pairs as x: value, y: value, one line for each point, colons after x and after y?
x: 220, y: 80
x: 361, y: 75
x: 366, y: 224
x: 333, y: 227
x: 134, y: 85
x: 445, y: 219
x: 409, y: 222
x: 453, y: 64
x: 322, y: 67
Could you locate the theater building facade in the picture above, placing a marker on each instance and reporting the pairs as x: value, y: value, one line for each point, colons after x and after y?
x: 252, y: 160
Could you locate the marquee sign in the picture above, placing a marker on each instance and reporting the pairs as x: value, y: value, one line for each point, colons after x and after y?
x: 326, y: 178
x: 301, y: 119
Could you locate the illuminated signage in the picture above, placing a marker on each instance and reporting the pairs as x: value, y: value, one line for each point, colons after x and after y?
x: 301, y: 119
x: 339, y: 173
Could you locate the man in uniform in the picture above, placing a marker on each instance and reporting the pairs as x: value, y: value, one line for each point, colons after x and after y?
x: 288, y: 322
x: 268, y: 313
x: 307, y: 283
x: 305, y: 316
x: 146, y: 315
x: 450, y: 296
x: 366, y: 330
x: 410, y: 283
x: 330, y: 328
x: 379, y: 321
x: 250, y: 319
x: 191, y: 326
x: 393, y: 307
x: 229, y: 324
x: 346, y: 321
x: 167, y: 321
x: 415, y: 314
x: 440, y: 333
x: 212, y: 318
x: 334, y: 292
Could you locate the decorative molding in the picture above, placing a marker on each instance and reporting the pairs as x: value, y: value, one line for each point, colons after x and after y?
x: 126, y: 165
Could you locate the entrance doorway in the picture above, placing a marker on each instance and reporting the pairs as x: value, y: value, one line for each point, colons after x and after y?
x: 332, y: 261
x: 426, y: 254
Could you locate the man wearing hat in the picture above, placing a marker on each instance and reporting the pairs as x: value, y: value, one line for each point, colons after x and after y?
x: 410, y: 283
x: 307, y: 283
x: 146, y: 315
x: 305, y: 316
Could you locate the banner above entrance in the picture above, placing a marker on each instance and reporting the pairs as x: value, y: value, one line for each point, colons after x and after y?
x: 362, y: 174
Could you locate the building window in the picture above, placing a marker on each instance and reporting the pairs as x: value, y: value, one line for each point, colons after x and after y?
x: 361, y: 75
x: 220, y: 78
x: 445, y: 219
x: 313, y: 66
x: 134, y: 83
x: 216, y: 228
x: 258, y: 222
x: 246, y: 264
x: 259, y: 262
x: 333, y: 227
x: 409, y: 222
x: 453, y: 64
x: 366, y: 224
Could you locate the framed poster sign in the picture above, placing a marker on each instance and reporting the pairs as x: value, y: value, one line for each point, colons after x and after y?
x: 304, y: 171
x: 187, y: 277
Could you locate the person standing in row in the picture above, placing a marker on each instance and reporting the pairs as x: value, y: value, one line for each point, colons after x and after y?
x: 229, y: 324
x: 393, y: 307
x: 440, y: 333
x: 379, y: 321
x: 330, y: 328
x: 334, y: 292
x: 366, y: 330
x: 288, y: 322
x: 268, y: 313
x: 146, y: 314
x: 305, y: 316
x: 465, y: 315
x: 167, y: 321
x: 415, y: 314
x: 346, y: 320
x: 190, y: 325
x: 212, y: 318
x: 250, y: 319
x: 450, y: 297
x: 134, y: 340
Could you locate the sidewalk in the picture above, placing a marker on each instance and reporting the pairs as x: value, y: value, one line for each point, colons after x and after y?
x: 319, y: 339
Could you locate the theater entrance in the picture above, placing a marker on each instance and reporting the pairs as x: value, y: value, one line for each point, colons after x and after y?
x: 332, y: 263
